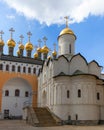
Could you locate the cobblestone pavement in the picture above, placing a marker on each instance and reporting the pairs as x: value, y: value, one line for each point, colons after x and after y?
x: 21, y: 125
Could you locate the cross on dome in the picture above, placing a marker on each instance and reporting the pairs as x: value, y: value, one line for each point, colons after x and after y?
x: 39, y: 42
x: 54, y: 46
x: 66, y: 18
x: 29, y: 35
x: 45, y: 39
x: 1, y: 33
x: 21, y: 38
x: 11, y: 32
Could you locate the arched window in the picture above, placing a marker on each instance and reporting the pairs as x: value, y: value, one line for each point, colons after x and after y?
x: 98, y: 96
x: 79, y: 93
x: 19, y: 69
x: 17, y: 92
x: 29, y: 70
x: 1, y: 67
x: 13, y: 68
x: 26, y: 94
x: 68, y: 93
x: 34, y: 70
x: 70, y: 48
x: 6, y: 93
x: 7, y: 67
x: 24, y: 69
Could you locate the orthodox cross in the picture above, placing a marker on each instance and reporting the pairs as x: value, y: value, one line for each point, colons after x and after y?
x: 21, y: 38
x: 29, y: 35
x: 45, y: 39
x: 1, y: 33
x: 39, y: 42
x: 66, y: 18
x: 54, y: 46
x: 11, y: 30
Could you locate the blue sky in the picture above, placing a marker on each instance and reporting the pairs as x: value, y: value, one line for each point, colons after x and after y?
x: 87, y: 23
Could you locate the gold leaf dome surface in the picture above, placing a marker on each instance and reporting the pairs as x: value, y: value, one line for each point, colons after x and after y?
x: 21, y: 46
x: 45, y: 49
x: 29, y: 46
x: 11, y: 43
x: 1, y: 42
x: 35, y: 55
x: 54, y: 53
x: 39, y: 49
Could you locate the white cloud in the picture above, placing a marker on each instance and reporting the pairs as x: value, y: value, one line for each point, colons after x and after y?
x: 53, y: 11
x: 10, y: 17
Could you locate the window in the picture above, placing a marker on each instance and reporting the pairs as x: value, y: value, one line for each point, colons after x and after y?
x: 70, y: 48
x: 29, y: 70
x: 1, y: 67
x: 98, y: 96
x: 26, y: 94
x: 6, y: 93
x: 68, y: 93
x: 19, y: 69
x: 24, y: 69
x: 13, y: 68
x: 34, y: 70
x: 17, y: 92
x: 79, y: 93
x: 7, y: 67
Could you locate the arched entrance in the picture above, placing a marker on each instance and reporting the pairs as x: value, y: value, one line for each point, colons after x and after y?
x: 44, y: 99
x: 16, y: 91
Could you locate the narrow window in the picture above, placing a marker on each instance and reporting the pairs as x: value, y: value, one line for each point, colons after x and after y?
x: 1, y: 67
x: 68, y: 93
x: 26, y: 94
x: 17, y: 92
x: 98, y: 96
x: 34, y: 70
x: 7, y: 67
x: 24, y: 69
x: 6, y: 93
x: 76, y: 117
x: 79, y: 93
x: 29, y: 70
x: 70, y: 48
x: 19, y: 69
x: 13, y: 68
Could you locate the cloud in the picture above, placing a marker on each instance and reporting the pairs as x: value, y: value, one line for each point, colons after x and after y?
x: 10, y: 17
x: 53, y: 11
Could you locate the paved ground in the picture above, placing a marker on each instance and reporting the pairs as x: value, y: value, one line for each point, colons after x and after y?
x: 21, y: 125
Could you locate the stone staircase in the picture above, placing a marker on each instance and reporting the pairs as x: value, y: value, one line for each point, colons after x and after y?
x: 44, y: 117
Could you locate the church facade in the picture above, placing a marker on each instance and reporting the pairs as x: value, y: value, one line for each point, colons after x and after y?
x: 69, y: 86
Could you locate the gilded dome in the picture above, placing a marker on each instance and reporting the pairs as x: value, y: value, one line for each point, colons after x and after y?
x: 35, y: 55
x: 21, y: 46
x: 18, y: 52
x: 39, y: 49
x: 29, y: 46
x: 54, y: 53
x: 45, y: 49
x: 49, y: 57
x: 1, y: 42
x: 11, y: 43
x: 67, y: 31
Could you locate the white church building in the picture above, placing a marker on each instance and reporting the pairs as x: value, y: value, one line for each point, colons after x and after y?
x: 69, y: 86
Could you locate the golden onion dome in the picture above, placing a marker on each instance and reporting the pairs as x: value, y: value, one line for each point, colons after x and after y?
x: 21, y: 46
x: 45, y: 49
x: 11, y: 43
x: 1, y: 42
x: 67, y: 31
x: 35, y: 55
x: 49, y: 57
x: 39, y: 49
x: 29, y: 46
x: 54, y: 53
x: 18, y: 52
